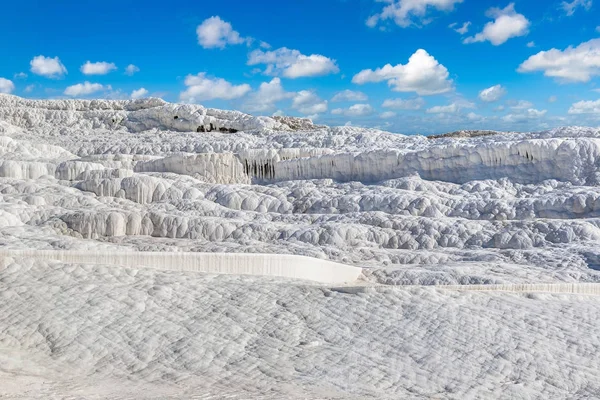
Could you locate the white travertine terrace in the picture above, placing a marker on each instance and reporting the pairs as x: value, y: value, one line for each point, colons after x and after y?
x: 455, y: 267
x: 276, y: 265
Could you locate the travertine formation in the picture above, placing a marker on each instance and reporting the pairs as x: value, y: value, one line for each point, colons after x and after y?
x: 97, y: 179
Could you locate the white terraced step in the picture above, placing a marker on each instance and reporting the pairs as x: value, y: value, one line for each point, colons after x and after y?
x: 586, y: 288
x: 280, y: 265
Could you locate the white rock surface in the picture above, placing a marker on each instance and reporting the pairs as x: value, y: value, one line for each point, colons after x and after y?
x: 107, y: 179
x: 105, y: 332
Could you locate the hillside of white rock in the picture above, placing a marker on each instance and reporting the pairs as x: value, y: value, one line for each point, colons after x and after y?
x: 99, y: 181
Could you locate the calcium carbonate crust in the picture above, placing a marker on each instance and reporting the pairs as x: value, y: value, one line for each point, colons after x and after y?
x: 91, y: 190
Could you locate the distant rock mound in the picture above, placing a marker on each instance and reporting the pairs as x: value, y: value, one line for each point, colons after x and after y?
x: 297, y: 124
x: 467, y: 134
x: 132, y: 115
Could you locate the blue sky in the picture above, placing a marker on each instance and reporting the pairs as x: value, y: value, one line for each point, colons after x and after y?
x: 451, y: 64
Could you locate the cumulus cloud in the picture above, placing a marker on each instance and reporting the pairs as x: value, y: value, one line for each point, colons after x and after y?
x: 569, y: 8
x: 475, y: 117
x: 492, y: 94
x: 463, y: 29
x: 85, y: 88
x: 139, y: 93
x: 200, y: 87
x: 97, y: 68
x: 507, y: 24
x: 552, y: 99
x: 357, y: 110
x: 585, y: 107
x: 410, y: 12
x: 423, y: 75
x: 47, y: 66
x: 6, y: 85
x: 216, y: 33
x: 349, y: 95
x: 574, y: 64
x: 307, y: 102
x: 293, y: 64
x: 267, y: 96
x: 387, y: 114
x: 131, y: 69
x: 450, y: 108
x: 531, y: 44
x: 404, y: 104
x: 524, y: 116
x: 520, y: 105
x: 20, y: 75
x: 29, y: 88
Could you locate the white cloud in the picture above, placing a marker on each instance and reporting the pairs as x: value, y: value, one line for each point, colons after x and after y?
x: 270, y: 93
x: 475, y: 117
x: 450, y: 108
x: 552, y: 99
x: 139, y: 93
x: 293, y: 64
x: 520, y: 105
x: 349, y: 95
x: 357, y: 110
x: 200, y: 88
x: 507, y: 24
x: 216, y: 33
x: 118, y: 94
x: 387, y: 114
x: 29, y: 88
x: 402, y: 104
x: 524, y: 116
x: 20, y: 75
x: 47, y: 66
x: 570, y: 8
x: 422, y: 74
x: 492, y: 94
x: 574, y: 64
x: 463, y: 29
x: 6, y: 85
x: 598, y: 28
x: 499, y: 108
x: 585, y: 107
x: 531, y: 44
x: 372, y: 21
x: 267, y: 96
x: 131, y: 69
x: 85, y: 88
x: 307, y: 102
x: 410, y: 12
x: 97, y: 68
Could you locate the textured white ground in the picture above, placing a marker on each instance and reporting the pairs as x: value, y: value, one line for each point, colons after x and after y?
x: 126, y: 176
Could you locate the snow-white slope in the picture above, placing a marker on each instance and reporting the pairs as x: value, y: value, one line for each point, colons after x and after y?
x: 105, y: 332
x: 119, y: 177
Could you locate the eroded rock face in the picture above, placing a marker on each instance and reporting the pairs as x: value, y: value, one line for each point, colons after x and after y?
x: 297, y: 124
x: 134, y: 115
